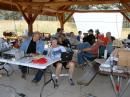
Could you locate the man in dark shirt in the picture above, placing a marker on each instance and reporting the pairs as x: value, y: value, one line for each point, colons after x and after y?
x: 32, y: 45
x: 90, y: 38
x: 128, y: 36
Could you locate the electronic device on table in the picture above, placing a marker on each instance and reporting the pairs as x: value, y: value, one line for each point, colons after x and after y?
x: 13, y: 54
x: 4, y: 46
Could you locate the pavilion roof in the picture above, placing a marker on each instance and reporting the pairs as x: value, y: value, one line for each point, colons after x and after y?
x: 30, y: 9
x: 54, y: 7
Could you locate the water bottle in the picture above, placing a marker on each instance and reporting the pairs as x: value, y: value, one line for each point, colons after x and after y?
x: 50, y: 53
x: 105, y: 54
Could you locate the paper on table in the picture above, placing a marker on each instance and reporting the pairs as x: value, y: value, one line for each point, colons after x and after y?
x: 26, y: 60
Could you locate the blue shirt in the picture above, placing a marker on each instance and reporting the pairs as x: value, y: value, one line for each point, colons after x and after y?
x: 39, y: 46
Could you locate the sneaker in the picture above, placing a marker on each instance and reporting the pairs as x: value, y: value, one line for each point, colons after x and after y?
x: 23, y: 76
x: 56, y: 83
x: 35, y: 81
x: 71, y: 82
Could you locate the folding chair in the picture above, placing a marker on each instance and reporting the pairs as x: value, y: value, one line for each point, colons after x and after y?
x: 4, y: 46
x: 2, y: 67
x: 91, y: 69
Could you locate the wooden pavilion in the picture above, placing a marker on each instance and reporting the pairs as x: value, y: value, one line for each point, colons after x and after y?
x: 30, y: 9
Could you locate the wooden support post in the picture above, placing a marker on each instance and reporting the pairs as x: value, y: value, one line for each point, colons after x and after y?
x: 61, y: 18
x: 30, y: 29
x: 29, y: 18
x: 126, y: 17
x: 68, y: 17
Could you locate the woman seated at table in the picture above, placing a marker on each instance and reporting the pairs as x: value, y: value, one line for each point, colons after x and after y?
x: 56, y: 51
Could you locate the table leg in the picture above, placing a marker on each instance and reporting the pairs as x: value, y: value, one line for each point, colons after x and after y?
x: 3, y: 68
x: 124, y: 90
x: 116, y: 87
x: 47, y: 82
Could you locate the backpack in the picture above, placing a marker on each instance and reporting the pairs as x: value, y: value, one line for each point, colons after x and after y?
x: 66, y: 56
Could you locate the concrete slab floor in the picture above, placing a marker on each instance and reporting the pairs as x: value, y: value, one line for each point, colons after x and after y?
x: 100, y: 87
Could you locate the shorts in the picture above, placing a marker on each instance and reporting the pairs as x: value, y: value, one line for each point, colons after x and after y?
x: 64, y: 64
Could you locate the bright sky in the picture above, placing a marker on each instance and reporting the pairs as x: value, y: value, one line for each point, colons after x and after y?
x: 103, y: 21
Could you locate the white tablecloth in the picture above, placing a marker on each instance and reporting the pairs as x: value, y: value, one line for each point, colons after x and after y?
x: 27, y: 61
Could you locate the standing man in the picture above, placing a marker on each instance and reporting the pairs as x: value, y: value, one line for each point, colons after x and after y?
x: 32, y: 45
x: 59, y: 32
x: 79, y: 36
x: 90, y: 38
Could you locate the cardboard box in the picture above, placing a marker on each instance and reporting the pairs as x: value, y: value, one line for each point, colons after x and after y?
x: 122, y: 62
x: 129, y: 60
x: 124, y: 57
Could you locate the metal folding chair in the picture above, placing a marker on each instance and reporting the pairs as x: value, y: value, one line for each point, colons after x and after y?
x: 2, y: 67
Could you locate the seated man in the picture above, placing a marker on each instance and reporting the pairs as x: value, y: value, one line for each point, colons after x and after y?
x: 32, y: 45
x: 56, y: 51
x: 73, y: 39
x: 109, y: 42
x: 89, y: 52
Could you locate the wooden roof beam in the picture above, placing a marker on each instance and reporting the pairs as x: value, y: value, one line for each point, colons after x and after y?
x: 22, y: 12
x: 126, y: 17
x: 28, y: 16
x: 60, y: 3
x: 125, y: 3
x: 68, y: 17
x: 50, y: 10
x: 49, y: 14
x: 126, y: 6
x: 8, y: 2
x: 95, y: 11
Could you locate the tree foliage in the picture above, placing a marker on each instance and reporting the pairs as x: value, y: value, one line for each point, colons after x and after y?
x: 9, y: 15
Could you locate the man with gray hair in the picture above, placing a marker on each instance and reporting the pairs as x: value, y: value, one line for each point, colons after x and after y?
x: 32, y: 45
